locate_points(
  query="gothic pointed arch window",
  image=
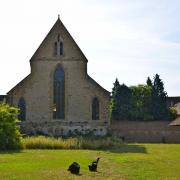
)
(59, 93)
(95, 109)
(22, 107)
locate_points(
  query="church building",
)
(58, 97)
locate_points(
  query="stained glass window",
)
(59, 94)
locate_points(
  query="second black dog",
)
(93, 165)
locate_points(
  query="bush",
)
(42, 142)
(172, 113)
(10, 137)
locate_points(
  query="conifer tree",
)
(120, 101)
(116, 85)
(160, 110)
(150, 106)
(149, 82)
(115, 104)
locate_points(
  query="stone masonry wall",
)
(148, 132)
(80, 89)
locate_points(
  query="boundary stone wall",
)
(146, 132)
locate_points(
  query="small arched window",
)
(61, 48)
(95, 109)
(55, 49)
(59, 93)
(22, 107)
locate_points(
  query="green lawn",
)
(134, 161)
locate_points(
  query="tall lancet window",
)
(55, 49)
(58, 47)
(59, 93)
(22, 107)
(95, 109)
(61, 48)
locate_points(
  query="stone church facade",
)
(58, 96)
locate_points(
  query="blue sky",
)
(127, 39)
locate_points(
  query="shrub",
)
(172, 113)
(10, 137)
(42, 142)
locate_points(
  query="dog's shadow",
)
(76, 174)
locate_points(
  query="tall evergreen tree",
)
(150, 106)
(159, 87)
(124, 96)
(115, 104)
(160, 110)
(120, 101)
(116, 85)
(149, 82)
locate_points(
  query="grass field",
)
(134, 161)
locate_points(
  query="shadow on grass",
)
(125, 148)
(11, 151)
(76, 174)
(132, 148)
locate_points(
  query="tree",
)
(120, 101)
(159, 95)
(116, 85)
(9, 130)
(124, 96)
(149, 82)
(141, 102)
(115, 104)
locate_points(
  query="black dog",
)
(74, 168)
(93, 165)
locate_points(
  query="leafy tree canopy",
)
(9, 130)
